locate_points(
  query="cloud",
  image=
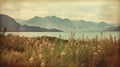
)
(92, 10)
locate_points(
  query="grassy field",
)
(16, 51)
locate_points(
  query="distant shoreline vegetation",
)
(65, 35)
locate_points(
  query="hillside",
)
(12, 26)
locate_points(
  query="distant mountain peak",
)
(102, 22)
(36, 17)
(82, 20)
(52, 17)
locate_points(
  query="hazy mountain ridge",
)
(66, 24)
(50, 22)
(117, 28)
(12, 26)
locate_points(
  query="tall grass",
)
(56, 52)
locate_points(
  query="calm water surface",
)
(65, 35)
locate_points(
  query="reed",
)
(55, 52)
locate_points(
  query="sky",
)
(89, 10)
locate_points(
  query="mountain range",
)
(13, 26)
(66, 24)
(52, 24)
(49, 22)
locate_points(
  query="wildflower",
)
(42, 64)
(76, 51)
(52, 49)
(62, 53)
(82, 46)
(31, 60)
(41, 50)
(36, 43)
(40, 56)
(95, 53)
(49, 45)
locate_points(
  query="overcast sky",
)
(90, 10)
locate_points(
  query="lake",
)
(65, 35)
